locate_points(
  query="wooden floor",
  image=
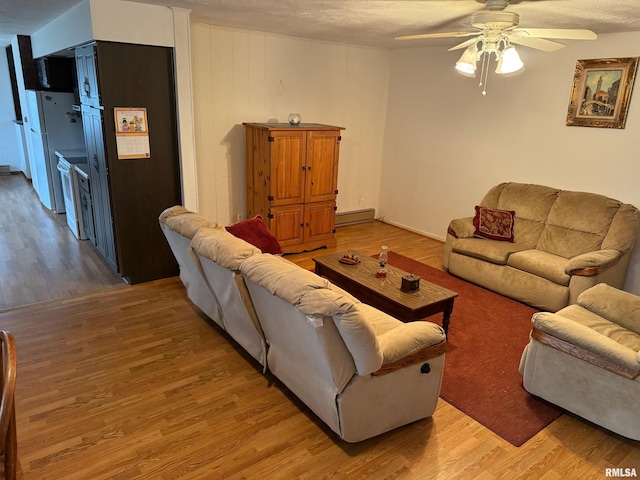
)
(134, 383)
(40, 259)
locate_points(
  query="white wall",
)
(71, 28)
(107, 20)
(132, 22)
(446, 144)
(136, 23)
(253, 77)
(9, 154)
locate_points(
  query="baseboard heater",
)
(356, 216)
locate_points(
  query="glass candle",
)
(294, 119)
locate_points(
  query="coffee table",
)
(384, 293)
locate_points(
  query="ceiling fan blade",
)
(464, 44)
(436, 35)
(537, 43)
(563, 33)
(449, 23)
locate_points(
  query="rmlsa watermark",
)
(621, 472)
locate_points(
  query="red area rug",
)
(486, 337)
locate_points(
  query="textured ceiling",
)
(359, 22)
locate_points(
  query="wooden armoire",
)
(292, 181)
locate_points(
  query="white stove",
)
(67, 159)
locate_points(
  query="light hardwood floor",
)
(40, 259)
(134, 383)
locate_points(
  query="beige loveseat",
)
(564, 243)
(358, 369)
(586, 359)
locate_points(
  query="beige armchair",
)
(586, 359)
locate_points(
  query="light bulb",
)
(467, 63)
(509, 61)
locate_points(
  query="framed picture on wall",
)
(601, 92)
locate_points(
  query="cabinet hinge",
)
(269, 215)
(333, 231)
(335, 191)
(339, 138)
(271, 139)
(335, 209)
(270, 198)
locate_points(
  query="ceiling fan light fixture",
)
(493, 30)
(467, 63)
(466, 69)
(509, 62)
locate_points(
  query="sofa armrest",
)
(582, 338)
(185, 222)
(410, 343)
(461, 228)
(592, 263)
(420, 356)
(617, 306)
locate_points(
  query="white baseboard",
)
(414, 230)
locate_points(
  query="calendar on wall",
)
(132, 132)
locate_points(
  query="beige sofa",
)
(586, 359)
(179, 226)
(564, 243)
(210, 275)
(358, 369)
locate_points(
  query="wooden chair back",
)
(8, 441)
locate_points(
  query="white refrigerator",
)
(54, 125)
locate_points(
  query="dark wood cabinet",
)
(88, 89)
(100, 197)
(129, 194)
(87, 207)
(29, 67)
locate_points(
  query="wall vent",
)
(356, 216)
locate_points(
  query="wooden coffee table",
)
(384, 293)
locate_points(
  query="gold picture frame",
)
(601, 92)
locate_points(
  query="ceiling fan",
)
(494, 31)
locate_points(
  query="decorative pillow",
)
(494, 224)
(255, 231)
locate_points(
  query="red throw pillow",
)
(494, 224)
(255, 231)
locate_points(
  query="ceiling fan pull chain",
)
(484, 75)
